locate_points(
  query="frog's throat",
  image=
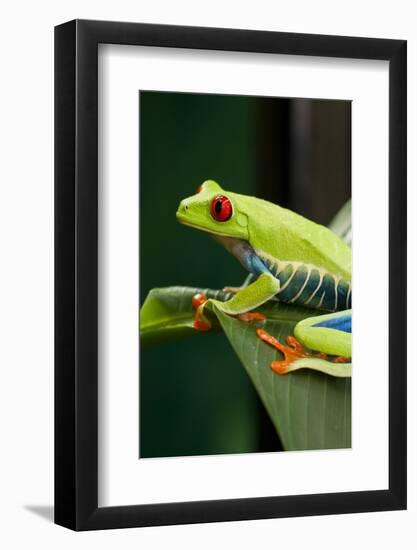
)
(244, 253)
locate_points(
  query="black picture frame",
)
(76, 271)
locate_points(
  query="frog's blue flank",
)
(343, 323)
(308, 285)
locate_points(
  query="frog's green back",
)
(269, 228)
(288, 236)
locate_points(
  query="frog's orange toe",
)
(250, 316)
(341, 359)
(295, 344)
(201, 324)
(280, 367)
(291, 352)
(198, 300)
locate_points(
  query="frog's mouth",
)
(239, 248)
(185, 220)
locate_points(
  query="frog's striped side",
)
(309, 285)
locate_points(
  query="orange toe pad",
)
(250, 316)
(291, 352)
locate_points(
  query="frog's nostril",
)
(182, 209)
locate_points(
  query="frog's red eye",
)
(221, 208)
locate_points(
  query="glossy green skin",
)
(284, 235)
(280, 232)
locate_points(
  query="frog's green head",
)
(214, 210)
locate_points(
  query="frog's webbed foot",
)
(242, 304)
(250, 317)
(201, 322)
(295, 357)
(292, 351)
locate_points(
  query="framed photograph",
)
(219, 192)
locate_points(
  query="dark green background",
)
(195, 397)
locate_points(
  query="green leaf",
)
(310, 410)
(167, 313)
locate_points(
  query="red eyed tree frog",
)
(289, 258)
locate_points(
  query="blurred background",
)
(195, 397)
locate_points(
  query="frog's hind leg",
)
(328, 334)
(293, 351)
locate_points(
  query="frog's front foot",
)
(201, 323)
(250, 317)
